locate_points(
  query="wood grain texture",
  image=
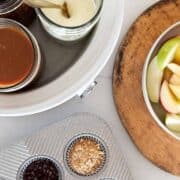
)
(151, 140)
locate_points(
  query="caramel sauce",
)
(16, 56)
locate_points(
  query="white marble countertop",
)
(99, 102)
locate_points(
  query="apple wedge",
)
(154, 78)
(167, 74)
(175, 80)
(168, 100)
(173, 122)
(174, 68)
(177, 56)
(167, 52)
(175, 90)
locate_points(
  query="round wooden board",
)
(151, 140)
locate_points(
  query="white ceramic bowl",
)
(79, 76)
(154, 109)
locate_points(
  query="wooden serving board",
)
(151, 140)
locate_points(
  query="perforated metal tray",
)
(52, 142)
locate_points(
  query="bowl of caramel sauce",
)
(20, 56)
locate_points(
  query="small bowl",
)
(37, 62)
(26, 163)
(17, 10)
(69, 146)
(10, 6)
(156, 110)
(70, 34)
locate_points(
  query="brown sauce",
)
(16, 56)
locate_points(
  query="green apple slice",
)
(154, 78)
(167, 52)
(173, 122)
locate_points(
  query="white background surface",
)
(99, 102)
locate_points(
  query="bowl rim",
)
(144, 81)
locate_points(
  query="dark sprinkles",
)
(42, 169)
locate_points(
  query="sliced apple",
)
(177, 55)
(173, 122)
(167, 99)
(167, 52)
(176, 90)
(174, 68)
(167, 74)
(175, 80)
(154, 78)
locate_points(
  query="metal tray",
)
(52, 142)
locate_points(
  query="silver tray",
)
(52, 142)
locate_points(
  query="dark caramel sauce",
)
(16, 56)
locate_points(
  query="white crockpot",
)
(79, 77)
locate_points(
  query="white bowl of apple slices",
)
(161, 81)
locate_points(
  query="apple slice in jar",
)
(172, 121)
(168, 100)
(154, 78)
(174, 68)
(175, 80)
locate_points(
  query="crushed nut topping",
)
(86, 156)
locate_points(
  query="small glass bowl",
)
(8, 6)
(37, 55)
(17, 10)
(69, 34)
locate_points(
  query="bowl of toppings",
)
(40, 167)
(161, 81)
(85, 155)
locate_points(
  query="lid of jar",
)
(7, 6)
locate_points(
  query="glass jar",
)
(17, 10)
(66, 33)
(35, 70)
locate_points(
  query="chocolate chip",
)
(42, 169)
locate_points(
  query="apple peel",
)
(168, 100)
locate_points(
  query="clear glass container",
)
(17, 10)
(68, 34)
(4, 22)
